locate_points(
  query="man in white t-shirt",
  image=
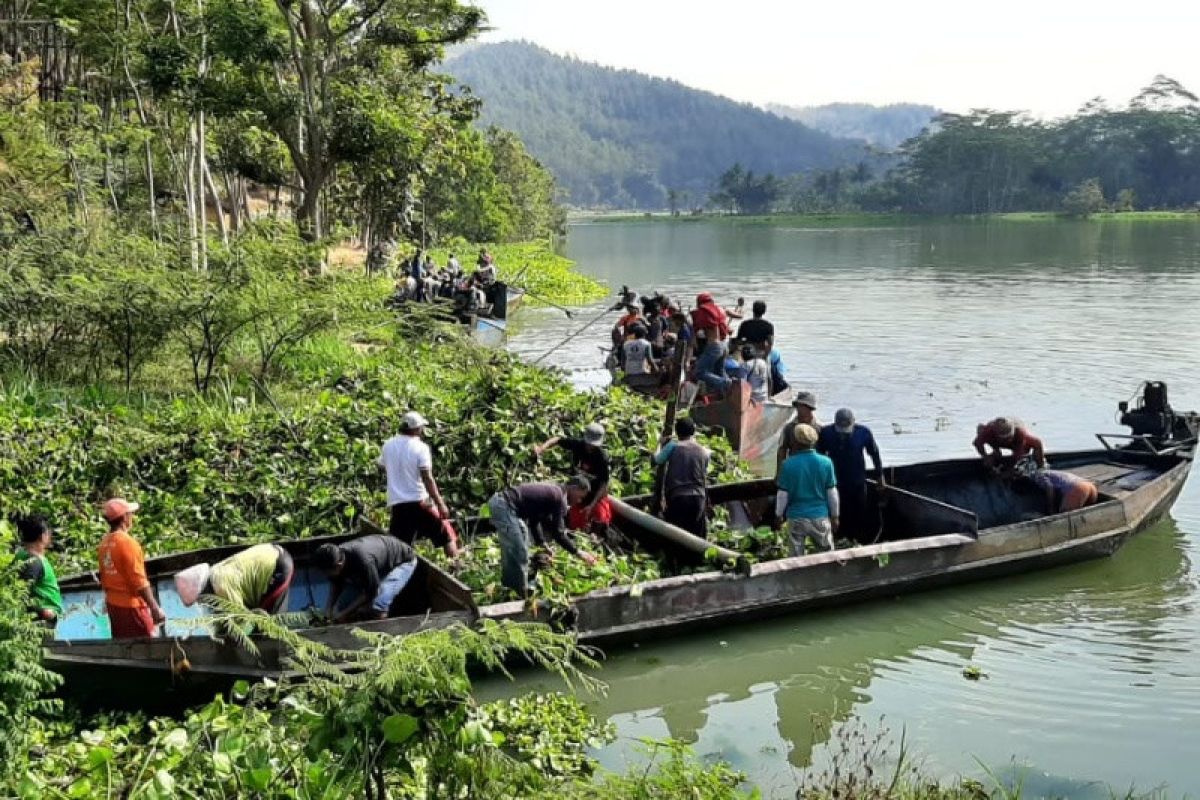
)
(416, 504)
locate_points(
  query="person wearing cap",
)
(711, 324)
(45, 599)
(685, 482)
(133, 610)
(805, 404)
(375, 568)
(533, 510)
(414, 500)
(807, 495)
(624, 327)
(1005, 433)
(845, 442)
(256, 578)
(588, 459)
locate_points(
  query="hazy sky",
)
(1047, 56)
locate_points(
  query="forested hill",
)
(621, 139)
(883, 126)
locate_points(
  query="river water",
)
(1093, 677)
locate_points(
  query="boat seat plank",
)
(1103, 472)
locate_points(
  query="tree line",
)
(1142, 155)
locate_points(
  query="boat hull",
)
(752, 428)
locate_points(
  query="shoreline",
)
(881, 220)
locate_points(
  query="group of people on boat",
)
(651, 338)
(419, 279)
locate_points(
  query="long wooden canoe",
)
(944, 522)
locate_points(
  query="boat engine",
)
(1154, 418)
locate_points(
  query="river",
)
(1093, 679)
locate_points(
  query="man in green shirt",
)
(258, 577)
(46, 600)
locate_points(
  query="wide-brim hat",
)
(807, 399)
(594, 434)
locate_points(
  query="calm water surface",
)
(1094, 673)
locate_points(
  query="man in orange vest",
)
(132, 609)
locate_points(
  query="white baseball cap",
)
(412, 421)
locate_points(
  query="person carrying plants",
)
(133, 610)
(807, 496)
(44, 596)
(533, 509)
(588, 459)
(376, 568)
(415, 502)
(258, 577)
(685, 485)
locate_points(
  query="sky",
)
(1043, 56)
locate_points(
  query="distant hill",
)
(618, 138)
(881, 126)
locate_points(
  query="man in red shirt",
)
(1003, 433)
(711, 324)
(132, 609)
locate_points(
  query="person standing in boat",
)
(807, 495)
(805, 404)
(542, 508)
(1065, 491)
(415, 502)
(712, 325)
(1005, 433)
(376, 568)
(685, 484)
(258, 577)
(132, 608)
(757, 373)
(588, 459)
(757, 331)
(45, 599)
(845, 442)
(637, 356)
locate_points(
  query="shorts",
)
(410, 520)
(131, 623)
(578, 519)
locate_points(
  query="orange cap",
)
(118, 507)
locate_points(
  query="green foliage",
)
(614, 138)
(671, 772)
(743, 192)
(24, 682)
(1085, 199)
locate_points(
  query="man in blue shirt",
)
(845, 442)
(807, 494)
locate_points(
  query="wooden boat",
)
(491, 329)
(945, 522)
(186, 664)
(753, 428)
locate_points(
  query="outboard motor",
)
(1154, 418)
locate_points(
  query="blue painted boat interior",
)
(85, 618)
